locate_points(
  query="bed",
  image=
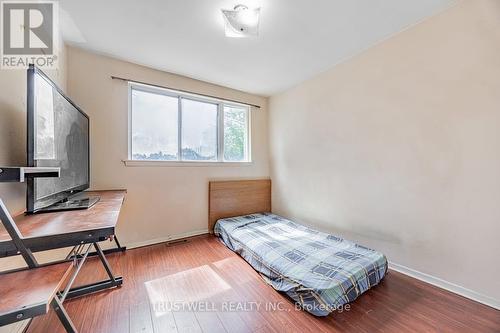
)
(319, 271)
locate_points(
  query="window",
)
(170, 126)
(199, 130)
(235, 133)
(154, 126)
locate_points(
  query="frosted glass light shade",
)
(241, 22)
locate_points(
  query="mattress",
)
(319, 271)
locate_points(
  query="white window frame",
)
(220, 103)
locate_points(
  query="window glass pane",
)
(154, 126)
(199, 131)
(235, 134)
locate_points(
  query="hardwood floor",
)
(206, 274)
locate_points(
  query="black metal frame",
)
(37, 244)
(23, 314)
(118, 248)
(15, 235)
(39, 310)
(61, 313)
(113, 281)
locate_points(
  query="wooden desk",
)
(47, 231)
(75, 228)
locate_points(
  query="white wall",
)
(398, 148)
(162, 202)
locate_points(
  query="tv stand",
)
(74, 203)
(19, 174)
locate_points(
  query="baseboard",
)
(454, 288)
(166, 239)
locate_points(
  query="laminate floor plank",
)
(203, 278)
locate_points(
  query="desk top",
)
(103, 214)
(31, 288)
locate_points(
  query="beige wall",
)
(162, 201)
(399, 148)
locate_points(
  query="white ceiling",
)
(298, 38)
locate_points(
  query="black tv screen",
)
(58, 136)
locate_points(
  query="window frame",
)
(220, 103)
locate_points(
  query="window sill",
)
(139, 163)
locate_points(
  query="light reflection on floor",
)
(198, 284)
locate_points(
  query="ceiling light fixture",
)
(241, 22)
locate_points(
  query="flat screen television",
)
(57, 136)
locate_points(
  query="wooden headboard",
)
(238, 197)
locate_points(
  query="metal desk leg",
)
(104, 262)
(114, 281)
(16, 236)
(63, 315)
(118, 248)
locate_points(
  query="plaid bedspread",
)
(320, 272)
